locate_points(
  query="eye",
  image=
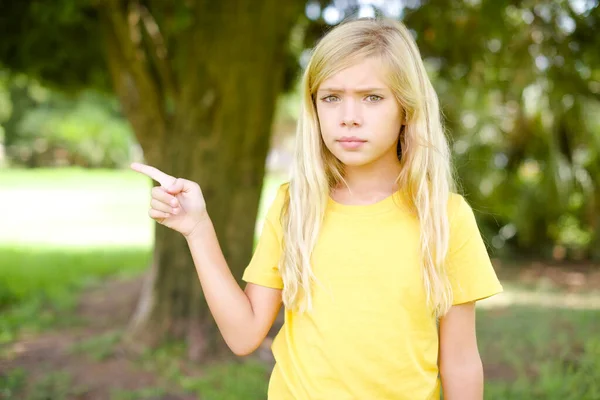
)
(330, 99)
(373, 98)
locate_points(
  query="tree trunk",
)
(204, 114)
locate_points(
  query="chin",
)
(355, 159)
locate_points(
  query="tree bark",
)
(205, 114)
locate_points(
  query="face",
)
(359, 117)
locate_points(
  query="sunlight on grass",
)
(82, 208)
(75, 208)
(516, 296)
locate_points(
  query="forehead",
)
(365, 73)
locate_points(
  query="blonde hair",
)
(425, 176)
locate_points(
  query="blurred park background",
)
(96, 302)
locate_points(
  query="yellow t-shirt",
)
(370, 335)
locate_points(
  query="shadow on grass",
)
(533, 352)
(40, 286)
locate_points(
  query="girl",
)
(377, 262)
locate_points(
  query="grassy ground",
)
(74, 243)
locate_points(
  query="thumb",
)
(176, 187)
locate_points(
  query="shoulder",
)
(459, 210)
(278, 202)
(462, 219)
(457, 205)
(283, 189)
(281, 195)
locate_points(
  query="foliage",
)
(44, 127)
(521, 99)
(56, 42)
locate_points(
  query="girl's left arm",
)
(460, 365)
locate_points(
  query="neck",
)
(374, 179)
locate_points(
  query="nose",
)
(351, 114)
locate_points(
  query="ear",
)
(400, 140)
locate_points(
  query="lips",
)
(351, 142)
(350, 139)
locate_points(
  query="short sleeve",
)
(263, 268)
(469, 267)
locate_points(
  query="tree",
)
(198, 82)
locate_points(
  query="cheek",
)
(325, 122)
(388, 123)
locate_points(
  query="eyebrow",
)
(365, 90)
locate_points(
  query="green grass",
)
(230, 381)
(12, 383)
(39, 286)
(225, 380)
(54, 385)
(141, 394)
(64, 230)
(98, 347)
(546, 353)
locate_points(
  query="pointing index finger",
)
(154, 173)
